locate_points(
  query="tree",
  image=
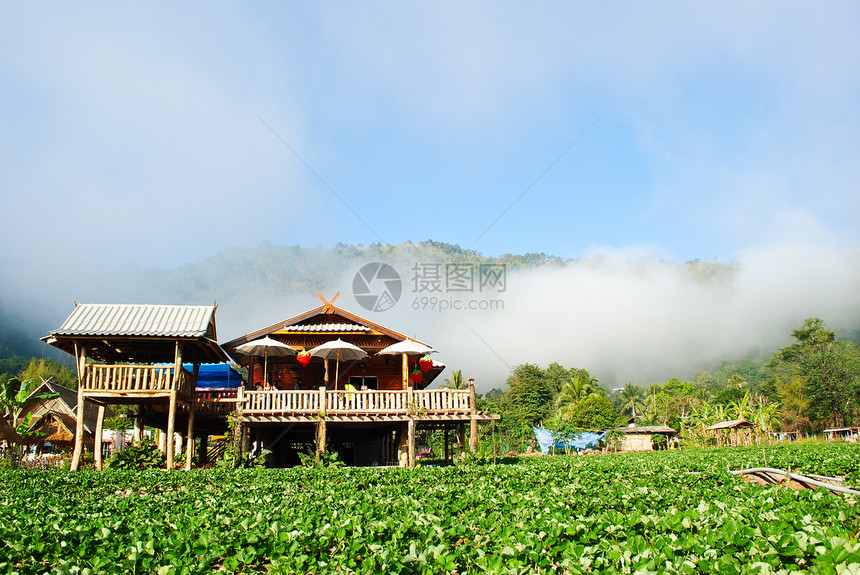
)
(574, 390)
(593, 412)
(456, 381)
(829, 370)
(15, 395)
(631, 400)
(48, 369)
(529, 396)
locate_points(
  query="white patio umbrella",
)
(338, 349)
(266, 346)
(406, 347)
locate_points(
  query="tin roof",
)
(138, 320)
(733, 424)
(140, 333)
(646, 429)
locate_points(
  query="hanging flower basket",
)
(416, 376)
(425, 363)
(304, 358)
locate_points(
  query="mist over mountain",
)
(624, 317)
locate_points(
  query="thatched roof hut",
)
(55, 419)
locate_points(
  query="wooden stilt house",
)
(368, 410)
(134, 354)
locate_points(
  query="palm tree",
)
(737, 381)
(456, 381)
(631, 400)
(574, 390)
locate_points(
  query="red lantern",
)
(416, 376)
(304, 358)
(425, 363)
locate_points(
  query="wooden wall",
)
(387, 369)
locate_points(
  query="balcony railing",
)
(136, 379)
(329, 402)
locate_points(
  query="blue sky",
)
(158, 134)
(719, 126)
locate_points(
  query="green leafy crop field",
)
(673, 512)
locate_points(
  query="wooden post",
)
(171, 415)
(81, 356)
(203, 455)
(97, 440)
(411, 446)
(189, 447)
(170, 438)
(493, 431)
(325, 377)
(462, 431)
(405, 371)
(137, 434)
(322, 439)
(240, 427)
(473, 423)
(246, 439)
(410, 400)
(402, 441)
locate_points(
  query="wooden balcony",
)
(135, 381)
(328, 402)
(394, 405)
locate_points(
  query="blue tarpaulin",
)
(213, 374)
(548, 439)
(216, 375)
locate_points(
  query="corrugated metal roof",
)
(327, 327)
(138, 320)
(646, 429)
(735, 423)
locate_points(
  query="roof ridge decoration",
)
(328, 305)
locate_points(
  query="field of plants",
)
(674, 512)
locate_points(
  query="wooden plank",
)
(189, 449)
(411, 441)
(81, 357)
(171, 429)
(97, 442)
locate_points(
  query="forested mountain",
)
(284, 277)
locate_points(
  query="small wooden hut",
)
(641, 438)
(734, 433)
(55, 419)
(135, 355)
